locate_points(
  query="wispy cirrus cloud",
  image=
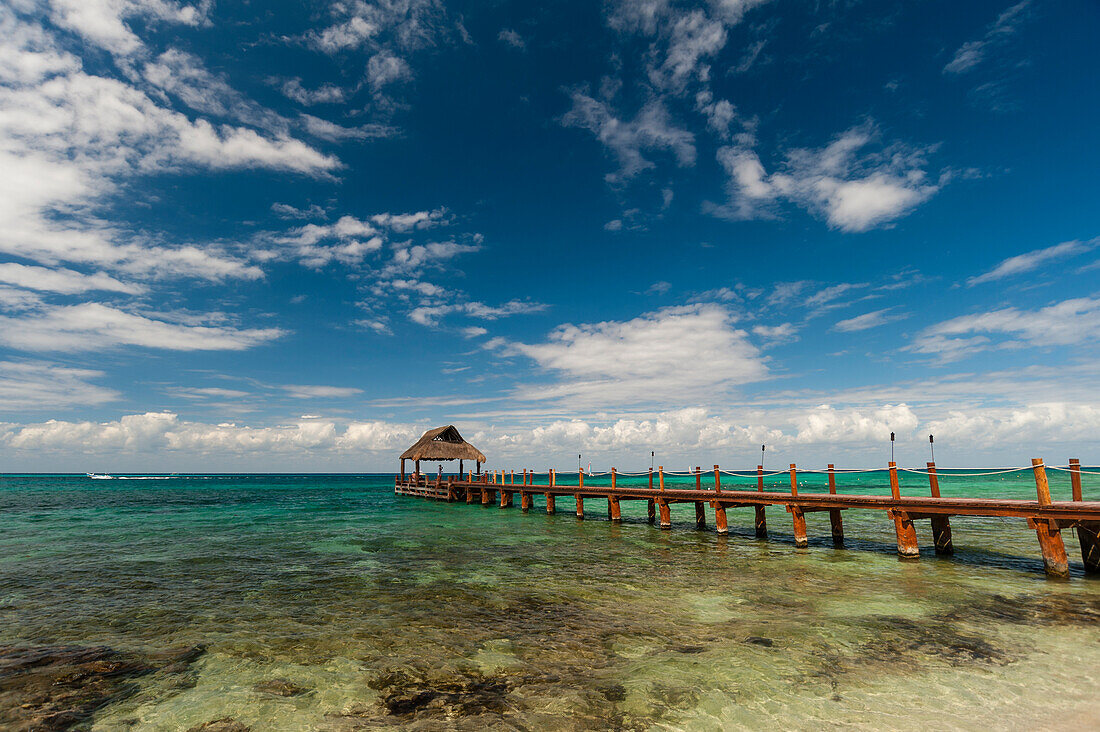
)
(973, 53)
(1032, 260)
(1061, 324)
(866, 321)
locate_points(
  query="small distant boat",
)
(100, 476)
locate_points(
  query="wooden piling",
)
(1053, 549)
(717, 480)
(525, 501)
(614, 512)
(799, 518)
(836, 520)
(549, 503)
(651, 510)
(941, 525)
(666, 515)
(485, 495)
(1075, 479)
(661, 473)
(908, 548)
(505, 498)
(580, 506)
(895, 487)
(700, 516)
(761, 516)
(1088, 532)
(794, 481)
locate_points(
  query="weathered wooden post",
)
(402, 470)
(941, 525)
(719, 510)
(525, 501)
(1088, 532)
(761, 516)
(1055, 561)
(614, 511)
(666, 514)
(661, 474)
(908, 548)
(798, 517)
(549, 493)
(651, 511)
(579, 497)
(700, 509)
(836, 521)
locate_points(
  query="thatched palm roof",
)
(443, 443)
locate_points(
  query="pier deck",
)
(1045, 516)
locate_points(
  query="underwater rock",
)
(225, 724)
(462, 693)
(613, 692)
(689, 649)
(280, 687)
(757, 640)
(59, 687)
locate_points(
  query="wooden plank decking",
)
(1043, 515)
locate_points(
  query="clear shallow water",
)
(324, 602)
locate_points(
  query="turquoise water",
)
(325, 602)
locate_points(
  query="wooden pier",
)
(1044, 516)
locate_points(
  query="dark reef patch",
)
(61, 687)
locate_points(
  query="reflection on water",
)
(326, 603)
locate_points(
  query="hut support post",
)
(941, 525)
(402, 470)
(761, 516)
(1088, 533)
(460, 475)
(1055, 561)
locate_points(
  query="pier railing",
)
(1044, 515)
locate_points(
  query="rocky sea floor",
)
(325, 603)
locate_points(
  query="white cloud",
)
(512, 38)
(324, 94)
(672, 355)
(94, 326)
(164, 432)
(972, 53)
(430, 315)
(684, 38)
(307, 391)
(35, 385)
(827, 425)
(855, 191)
(873, 319)
(1065, 323)
(351, 240)
(64, 281)
(1032, 260)
(652, 129)
(68, 139)
(385, 68)
(333, 132)
(104, 22)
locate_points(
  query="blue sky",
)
(274, 236)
